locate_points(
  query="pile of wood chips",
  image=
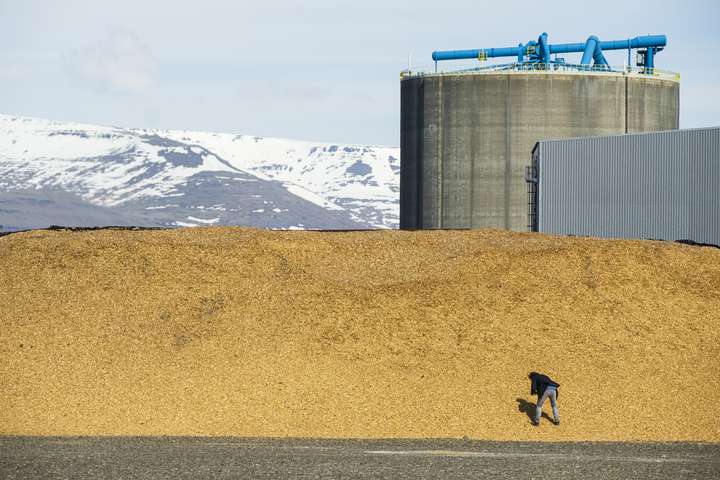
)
(383, 334)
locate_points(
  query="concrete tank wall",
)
(466, 138)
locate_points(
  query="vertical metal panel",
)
(663, 186)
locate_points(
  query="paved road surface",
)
(225, 458)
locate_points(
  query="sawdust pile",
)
(229, 331)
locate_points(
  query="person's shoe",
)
(556, 423)
(534, 423)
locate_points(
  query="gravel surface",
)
(156, 458)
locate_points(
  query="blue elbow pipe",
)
(598, 56)
(589, 50)
(544, 48)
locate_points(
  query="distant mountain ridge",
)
(84, 175)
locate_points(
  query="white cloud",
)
(121, 62)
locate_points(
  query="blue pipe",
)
(648, 41)
(567, 47)
(649, 58)
(589, 50)
(544, 48)
(598, 56)
(637, 42)
(463, 54)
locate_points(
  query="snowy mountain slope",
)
(362, 180)
(192, 178)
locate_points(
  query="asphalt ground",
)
(225, 458)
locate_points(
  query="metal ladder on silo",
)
(531, 179)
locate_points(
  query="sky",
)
(316, 70)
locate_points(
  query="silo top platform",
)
(538, 56)
(541, 68)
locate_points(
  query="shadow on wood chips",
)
(528, 408)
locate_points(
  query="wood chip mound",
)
(382, 334)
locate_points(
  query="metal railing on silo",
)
(462, 68)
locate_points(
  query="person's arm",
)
(533, 386)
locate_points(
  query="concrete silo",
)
(467, 136)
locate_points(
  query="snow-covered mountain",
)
(84, 175)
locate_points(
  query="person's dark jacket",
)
(540, 382)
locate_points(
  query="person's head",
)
(532, 374)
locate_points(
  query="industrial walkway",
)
(224, 458)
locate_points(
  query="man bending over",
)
(544, 387)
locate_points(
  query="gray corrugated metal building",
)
(663, 185)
